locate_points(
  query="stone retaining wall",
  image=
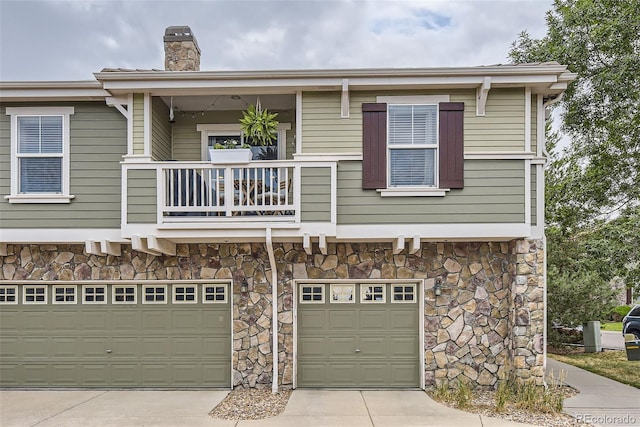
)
(487, 322)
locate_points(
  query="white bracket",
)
(120, 104)
(398, 245)
(415, 245)
(344, 103)
(93, 248)
(322, 243)
(111, 248)
(482, 93)
(161, 245)
(139, 243)
(306, 243)
(3, 249)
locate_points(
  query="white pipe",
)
(274, 307)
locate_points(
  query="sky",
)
(57, 40)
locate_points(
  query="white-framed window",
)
(8, 294)
(373, 293)
(311, 293)
(220, 133)
(403, 293)
(39, 154)
(124, 294)
(92, 294)
(214, 293)
(412, 144)
(64, 294)
(154, 294)
(185, 294)
(343, 293)
(34, 294)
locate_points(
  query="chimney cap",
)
(180, 33)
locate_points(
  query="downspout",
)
(274, 308)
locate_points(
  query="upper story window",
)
(213, 134)
(39, 154)
(413, 145)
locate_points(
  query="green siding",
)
(98, 140)
(493, 193)
(315, 199)
(138, 123)
(501, 129)
(142, 197)
(534, 195)
(160, 131)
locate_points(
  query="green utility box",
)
(591, 336)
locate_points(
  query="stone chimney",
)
(181, 51)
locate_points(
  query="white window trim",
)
(15, 196)
(413, 192)
(322, 293)
(415, 294)
(342, 285)
(364, 286)
(15, 288)
(46, 294)
(135, 294)
(207, 130)
(75, 294)
(215, 285)
(84, 294)
(195, 293)
(143, 297)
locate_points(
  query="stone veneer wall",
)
(487, 322)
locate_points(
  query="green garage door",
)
(358, 335)
(118, 335)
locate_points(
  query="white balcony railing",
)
(197, 190)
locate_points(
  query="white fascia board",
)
(59, 235)
(47, 91)
(434, 232)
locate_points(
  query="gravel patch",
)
(251, 404)
(483, 403)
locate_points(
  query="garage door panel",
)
(10, 374)
(35, 320)
(94, 347)
(215, 347)
(9, 347)
(312, 320)
(35, 374)
(155, 347)
(217, 317)
(403, 374)
(312, 374)
(65, 320)
(373, 319)
(125, 347)
(65, 347)
(155, 320)
(125, 320)
(98, 320)
(342, 346)
(186, 346)
(339, 319)
(125, 374)
(187, 319)
(404, 320)
(342, 373)
(36, 347)
(216, 374)
(65, 374)
(373, 346)
(9, 319)
(403, 346)
(186, 374)
(374, 374)
(158, 375)
(95, 374)
(311, 347)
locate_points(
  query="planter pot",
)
(234, 155)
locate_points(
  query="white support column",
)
(147, 124)
(93, 248)
(398, 245)
(322, 243)
(415, 245)
(111, 248)
(527, 119)
(298, 122)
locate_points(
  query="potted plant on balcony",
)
(230, 151)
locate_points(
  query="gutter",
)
(274, 308)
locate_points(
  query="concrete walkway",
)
(601, 402)
(191, 408)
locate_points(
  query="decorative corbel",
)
(139, 243)
(161, 245)
(322, 243)
(306, 243)
(482, 93)
(415, 245)
(344, 103)
(398, 245)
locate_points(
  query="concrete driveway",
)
(612, 340)
(191, 408)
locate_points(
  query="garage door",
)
(115, 335)
(358, 335)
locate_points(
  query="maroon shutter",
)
(374, 146)
(451, 145)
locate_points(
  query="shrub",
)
(619, 312)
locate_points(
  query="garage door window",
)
(372, 294)
(311, 294)
(94, 294)
(404, 293)
(214, 293)
(64, 294)
(154, 294)
(343, 293)
(8, 294)
(184, 294)
(34, 295)
(125, 294)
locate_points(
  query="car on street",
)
(631, 322)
